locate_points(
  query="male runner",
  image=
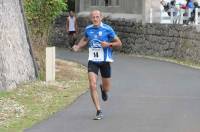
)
(100, 39)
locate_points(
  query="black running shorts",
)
(71, 32)
(104, 68)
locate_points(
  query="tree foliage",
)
(71, 5)
(41, 13)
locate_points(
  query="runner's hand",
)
(75, 48)
(105, 44)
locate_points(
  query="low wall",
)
(58, 36)
(177, 41)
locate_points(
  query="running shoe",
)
(99, 115)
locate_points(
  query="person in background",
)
(192, 18)
(72, 28)
(170, 6)
(188, 7)
(189, 4)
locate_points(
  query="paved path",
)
(146, 96)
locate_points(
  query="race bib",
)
(96, 54)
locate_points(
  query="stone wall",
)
(59, 34)
(177, 41)
(16, 62)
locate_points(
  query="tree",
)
(16, 60)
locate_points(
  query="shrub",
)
(40, 16)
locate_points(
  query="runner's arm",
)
(115, 43)
(83, 42)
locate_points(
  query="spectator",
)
(170, 6)
(189, 4)
(188, 7)
(192, 18)
(72, 28)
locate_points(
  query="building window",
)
(108, 2)
(105, 2)
(94, 2)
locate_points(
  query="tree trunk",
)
(16, 62)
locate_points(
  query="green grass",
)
(34, 102)
(188, 63)
(184, 62)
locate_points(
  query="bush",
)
(41, 13)
(40, 16)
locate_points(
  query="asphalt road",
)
(146, 96)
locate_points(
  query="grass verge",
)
(33, 102)
(187, 63)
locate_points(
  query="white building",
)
(137, 9)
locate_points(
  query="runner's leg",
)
(106, 84)
(93, 89)
(105, 70)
